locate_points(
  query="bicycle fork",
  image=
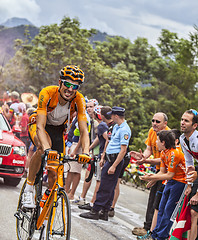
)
(44, 230)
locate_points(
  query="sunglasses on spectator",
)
(157, 121)
(68, 84)
(194, 112)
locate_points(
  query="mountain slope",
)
(9, 34)
(7, 37)
(14, 22)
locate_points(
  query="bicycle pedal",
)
(17, 216)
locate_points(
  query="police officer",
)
(115, 153)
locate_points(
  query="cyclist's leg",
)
(59, 222)
(57, 142)
(23, 219)
(35, 162)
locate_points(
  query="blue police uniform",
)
(120, 136)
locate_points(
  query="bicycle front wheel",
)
(59, 222)
(23, 219)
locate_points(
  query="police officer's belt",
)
(111, 157)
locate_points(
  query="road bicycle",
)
(53, 221)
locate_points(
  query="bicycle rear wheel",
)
(59, 222)
(23, 219)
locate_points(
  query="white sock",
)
(29, 188)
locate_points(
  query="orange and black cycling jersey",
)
(48, 105)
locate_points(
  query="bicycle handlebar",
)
(67, 158)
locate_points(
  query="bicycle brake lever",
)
(88, 179)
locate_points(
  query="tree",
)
(54, 47)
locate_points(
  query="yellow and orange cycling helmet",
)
(73, 73)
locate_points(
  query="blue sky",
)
(127, 18)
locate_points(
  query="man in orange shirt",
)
(159, 122)
(172, 168)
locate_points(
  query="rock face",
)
(14, 22)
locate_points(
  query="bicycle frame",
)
(38, 218)
(58, 167)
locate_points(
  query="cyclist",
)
(56, 106)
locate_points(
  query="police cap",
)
(117, 110)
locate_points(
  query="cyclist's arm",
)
(41, 133)
(84, 136)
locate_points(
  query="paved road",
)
(130, 212)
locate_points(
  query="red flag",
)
(183, 222)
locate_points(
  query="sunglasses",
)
(68, 84)
(157, 121)
(194, 112)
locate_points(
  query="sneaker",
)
(90, 215)
(103, 215)
(111, 212)
(80, 201)
(86, 206)
(139, 231)
(28, 200)
(146, 236)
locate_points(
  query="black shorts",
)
(158, 197)
(126, 163)
(55, 133)
(194, 191)
(57, 138)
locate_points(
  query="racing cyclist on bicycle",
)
(56, 106)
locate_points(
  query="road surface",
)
(129, 212)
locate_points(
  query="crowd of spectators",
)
(109, 137)
(17, 109)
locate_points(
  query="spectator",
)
(29, 99)
(102, 140)
(94, 152)
(74, 168)
(13, 112)
(189, 144)
(6, 98)
(24, 136)
(115, 153)
(172, 169)
(159, 122)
